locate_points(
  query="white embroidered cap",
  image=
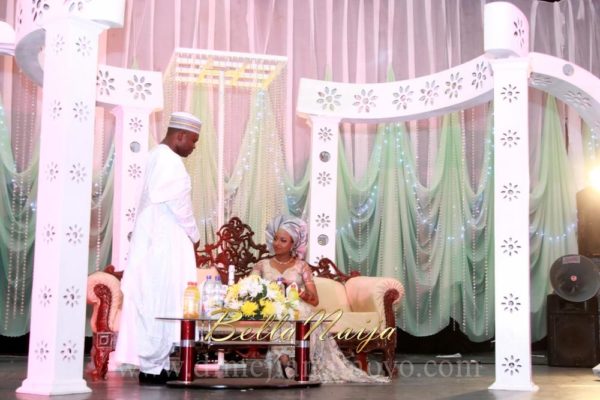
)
(186, 121)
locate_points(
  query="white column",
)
(63, 209)
(131, 149)
(323, 190)
(511, 226)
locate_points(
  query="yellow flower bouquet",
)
(257, 299)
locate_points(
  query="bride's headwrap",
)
(295, 227)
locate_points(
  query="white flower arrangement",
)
(258, 299)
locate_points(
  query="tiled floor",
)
(421, 377)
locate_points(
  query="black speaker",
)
(573, 332)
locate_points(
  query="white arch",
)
(503, 73)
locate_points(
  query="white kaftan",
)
(161, 262)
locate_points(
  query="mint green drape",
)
(552, 214)
(434, 239)
(17, 229)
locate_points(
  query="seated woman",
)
(287, 239)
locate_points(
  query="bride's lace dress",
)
(328, 363)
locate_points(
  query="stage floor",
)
(421, 377)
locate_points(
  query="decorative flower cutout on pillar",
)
(139, 87)
(510, 138)
(511, 303)
(130, 214)
(38, 8)
(45, 296)
(323, 220)
(81, 111)
(365, 100)
(519, 31)
(49, 233)
(75, 234)
(77, 5)
(136, 124)
(135, 171)
(68, 351)
(510, 93)
(454, 85)
(578, 99)
(324, 178)
(77, 173)
(511, 365)
(59, 44)
(510, 192)
(429, 92)
(83, 45)
(51, 171)
(402, 97)
(41, 351)
(479, 75)
(105, 83)
(329, 99)
(56, 109)
(510, 246)
(71, 296)
(325, 134)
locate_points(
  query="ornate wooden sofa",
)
(368, 303)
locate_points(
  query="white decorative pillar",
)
(63, 215)
(506, 37)
(511, 226)
(323, 190)
(131, 149)
(57, 330)
(132, 96)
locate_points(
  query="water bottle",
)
(191, 299)
(207, 290)
(218, 298)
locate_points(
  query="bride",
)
(287, 239)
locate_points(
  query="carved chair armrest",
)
(104, 293)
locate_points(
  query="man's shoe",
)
(153, 379)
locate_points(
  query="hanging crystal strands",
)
(97, 195)
(22, 205)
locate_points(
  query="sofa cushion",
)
(332, 295)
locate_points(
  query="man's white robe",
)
(161, 262)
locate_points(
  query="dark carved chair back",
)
(327, 269)
(235, 245)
